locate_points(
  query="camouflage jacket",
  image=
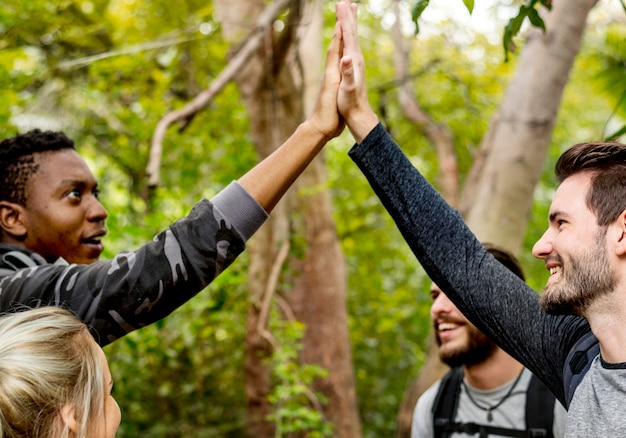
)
(134, 289)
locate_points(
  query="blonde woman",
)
(54, 378)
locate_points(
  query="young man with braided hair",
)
(52, 225)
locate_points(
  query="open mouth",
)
(94, 243)
(446, 329)
(95, 238)
(555, 270)
(445, 326)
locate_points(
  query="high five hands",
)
(343, 95)
(352, 101)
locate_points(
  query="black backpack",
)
(538, 414)
(539, 410)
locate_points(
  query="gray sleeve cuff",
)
(243, 211)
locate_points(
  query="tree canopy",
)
(106, 71)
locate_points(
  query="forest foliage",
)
(106, 71)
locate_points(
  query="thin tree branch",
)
(284, 306)
(202, 100)
(136, 48)
(270, 287)
(437, 134)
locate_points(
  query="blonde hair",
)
(48, 360)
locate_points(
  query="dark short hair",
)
(606, 162)
(17, 162)
(506, 258)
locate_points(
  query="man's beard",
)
(583, 280)
(478, 349)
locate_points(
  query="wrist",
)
(310, 130)
(361, 124)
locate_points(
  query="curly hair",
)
(48, 360)
(17, 161)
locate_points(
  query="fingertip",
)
(346, 63)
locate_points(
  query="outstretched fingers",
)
(352, 99)
(325, 117)
(347, 17)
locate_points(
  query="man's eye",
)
(75, 194)
(96, 193)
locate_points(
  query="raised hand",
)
(352, 98)
(325, 117)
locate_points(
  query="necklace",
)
(491, 408)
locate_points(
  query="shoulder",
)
(422, 424)
(428, 397)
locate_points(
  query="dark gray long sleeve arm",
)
(494, 299)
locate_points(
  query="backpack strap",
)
(578, 362)
(485, 431)
(539, 408)
(446, 401)
(539, 411)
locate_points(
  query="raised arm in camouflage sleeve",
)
(115, 297)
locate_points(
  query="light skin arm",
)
(268, 181)
(352, 98)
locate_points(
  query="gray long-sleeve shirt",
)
(135, 289)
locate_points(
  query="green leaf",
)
(535, 19)
(469, 4)
(515, 24)
(416, 12)
(512, 28)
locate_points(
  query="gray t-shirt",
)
(598, 404)
(511, 414)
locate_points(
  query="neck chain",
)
(491, 408)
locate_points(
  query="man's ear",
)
(67, 414)
(620, 233)
(12, 220)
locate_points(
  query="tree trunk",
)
(498, 196)
(319, 295)
(276, 87)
